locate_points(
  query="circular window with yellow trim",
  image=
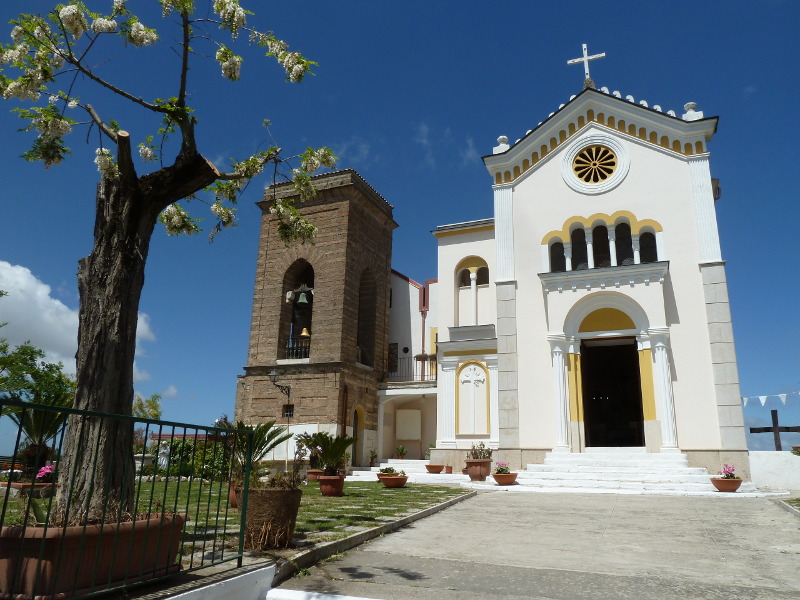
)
(595, 164)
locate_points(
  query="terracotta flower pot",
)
(313, 474)
(331, 485)
(233, 499)
(505, 478)
(60, 562)
(726, 485)
(271, 517)
(448, 469)
(478, 469)
(394, 481)
(434, 468)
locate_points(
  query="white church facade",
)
(591, 310)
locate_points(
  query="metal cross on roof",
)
(585, 60)
(775, 429)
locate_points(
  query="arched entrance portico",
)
(611, 376)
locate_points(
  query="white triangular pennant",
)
(763, 400)
(783, 398)
(744, 400)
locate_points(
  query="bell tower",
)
(320, 317)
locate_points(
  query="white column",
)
(560, 394)
(589, 248)
(504, 232)
(659, 341)
(612, 244)
(448, 402)
(704, 214)
(635, 243)
(473, 287)
(568, 255)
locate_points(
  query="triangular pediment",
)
(619, 116)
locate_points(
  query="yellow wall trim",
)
(606, 319)
(646, 378)
(448, 233)
(651, 137)
(470, 262)
(575, 384)
(563, 235)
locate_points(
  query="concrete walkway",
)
(570, 546)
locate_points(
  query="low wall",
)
(779, 470)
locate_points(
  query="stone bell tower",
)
(321, 315)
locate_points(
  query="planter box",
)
(394, 481)
(434, 468)
(505, 478)
(67, 560)
(478, 469)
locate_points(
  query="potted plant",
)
(311, 443)
(729, 482)
(502, 475)
(333, 455)
(479, 462)
(401, 452)
(272, 507)
(386, 471)
(373, 458)
(266, 437)
(394, 480)
(432, 468)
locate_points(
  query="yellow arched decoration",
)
(636, 224)
(601, 118)
(589, 115)
(632, 129)
(526, 164)
(698, 147)
(611, 122)
(676, 145)
(571, 128)
(653, 137)
(534, 158)
(498, 178)
(517, 172)
(507, 176)
(553, 143)
(562, 135)
(543, 150)
(481, 366)
(621, 125)
(665, 141)
(606, 319)
(470, 262)
(581, 121)
(687, 148)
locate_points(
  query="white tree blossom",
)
(105, 163)
(146, 153)
(232, 15)
(142, 36)
(224, 214)
(74, 20)
(101, 25)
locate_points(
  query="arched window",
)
(580, 259)
(297, 309)
(600, 247)
(467, 295)
(558, 263)
(367, 307)
(624, 244)
(463, 278)
(647, 248)
(483, 276)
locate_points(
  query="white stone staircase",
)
(620, 472)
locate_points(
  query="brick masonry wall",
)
(354, 234)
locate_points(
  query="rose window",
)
(594, 164)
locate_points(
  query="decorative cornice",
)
(610, 277)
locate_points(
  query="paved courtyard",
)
(569, 546)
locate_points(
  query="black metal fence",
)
(411, 369)
(299, 347)
(173, 510)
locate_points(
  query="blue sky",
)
(411, 94)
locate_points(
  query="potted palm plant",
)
(333, 455)
(479, 462)
(312, 445)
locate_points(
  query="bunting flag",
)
(794, 396)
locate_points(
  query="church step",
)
(699, 486)
(617, 462)
(615, 469)
(616, 476)
(409, 466)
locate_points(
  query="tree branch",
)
(124, 159)
(184, 58)
(103, 127)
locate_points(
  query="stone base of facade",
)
(713, 460)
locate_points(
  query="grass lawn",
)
(793, 502)
(212, 531)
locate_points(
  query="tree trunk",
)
(96, 469)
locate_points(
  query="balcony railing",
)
(411, 369)
(298, 347)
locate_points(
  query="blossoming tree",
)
(50, 57)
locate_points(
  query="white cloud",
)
(469, 155)
(422, 137)
(170, 392)
(139, 375)
(33, 314)
(354, 151)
